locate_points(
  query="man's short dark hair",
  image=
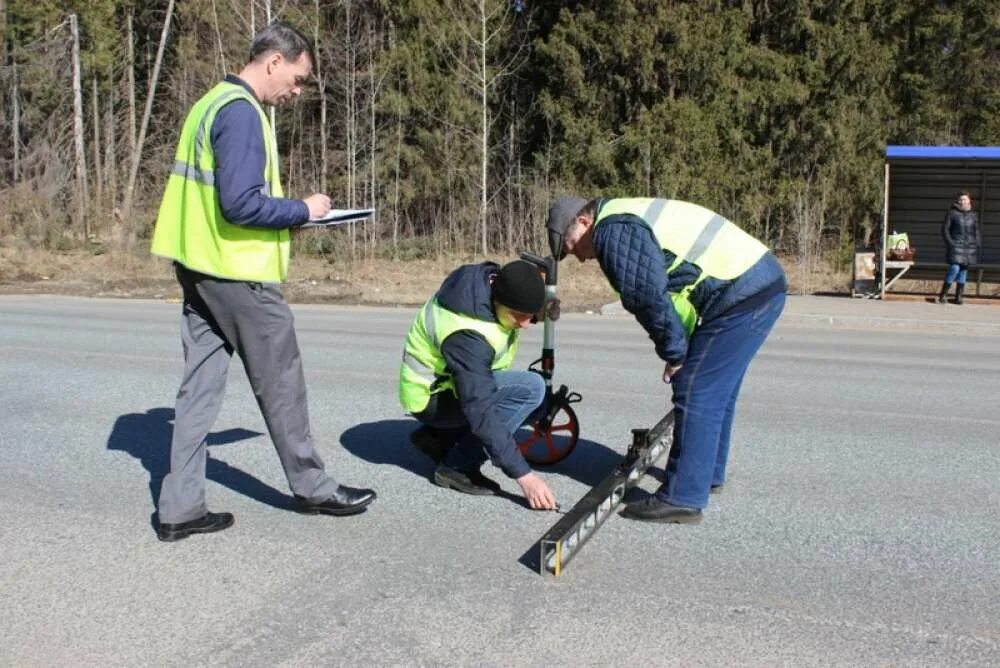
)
(283, 38)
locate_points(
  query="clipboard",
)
(339, 217)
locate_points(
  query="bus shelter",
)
(921, 183)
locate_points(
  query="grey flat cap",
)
(562, 212)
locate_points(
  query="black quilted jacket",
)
(961, 236)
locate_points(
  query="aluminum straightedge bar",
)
(566, 537)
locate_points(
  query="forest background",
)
(459, 120)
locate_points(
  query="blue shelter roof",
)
(944, 152)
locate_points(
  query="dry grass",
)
(312, 280)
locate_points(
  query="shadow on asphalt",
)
(146, 436)
(387, 442)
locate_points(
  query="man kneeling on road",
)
(456, 377)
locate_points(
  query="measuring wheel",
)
(554, 436)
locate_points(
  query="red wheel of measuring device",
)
(548, 446)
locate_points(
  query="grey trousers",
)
(252, 319)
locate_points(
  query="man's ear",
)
(273, 61)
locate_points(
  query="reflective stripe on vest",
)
(423, 371)
(694, 234)
(191, 228)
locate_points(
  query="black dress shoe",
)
(467, 482)
(432, 442)
(652, 509)
(345, 501)
(208, 523)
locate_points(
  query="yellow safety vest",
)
(191, 228)
(718, 247)
(423, 371)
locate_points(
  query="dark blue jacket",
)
(469, 291)
(238, 143)
(636, 266)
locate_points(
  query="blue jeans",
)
(956, 271)
(520, 399)
(705, 391)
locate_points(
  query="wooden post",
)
(885, 231)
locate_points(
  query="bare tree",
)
(95, 104)
(110, 155)
(218, 38)
(809, 207)
(15, 96)
(130, 70)
(320, 74)
(82, 194)
(134, 171)
(480, 64)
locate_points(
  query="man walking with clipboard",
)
(225, 223)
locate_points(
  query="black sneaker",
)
(467, 482)
(208, 523)
(431, 442)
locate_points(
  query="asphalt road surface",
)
(859, 526)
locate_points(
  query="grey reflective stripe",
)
(199, 139)
(705, 239)
(417, 367)
(653, 211)
(202, 176)
(429, 325)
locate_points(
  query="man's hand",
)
(551, 310)
(319, 205)
(536, 492)
(669, 371)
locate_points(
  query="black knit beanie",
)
(519, 286)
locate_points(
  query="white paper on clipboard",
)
(339, 217)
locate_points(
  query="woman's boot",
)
(959, 292)
(944, 291)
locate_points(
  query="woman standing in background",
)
(963, 241)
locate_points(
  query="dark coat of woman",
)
(962, 236)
